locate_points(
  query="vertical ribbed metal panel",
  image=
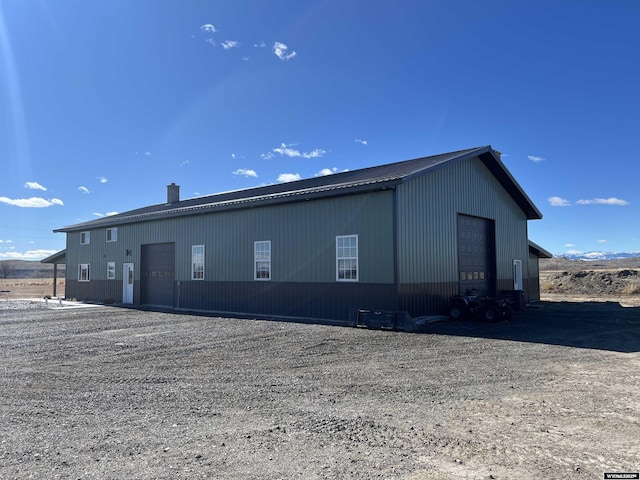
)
(427, 211)
(302, 238)
(533, 281)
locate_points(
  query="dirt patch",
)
(116, 393)
(593, 283)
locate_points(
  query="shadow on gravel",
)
(596, 325)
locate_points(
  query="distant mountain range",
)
(588, 256)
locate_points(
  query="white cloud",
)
(246, 172)
(604, 201)
(34, 186)
(286, 150)
(363, 142)
(148, 154)
(185, 162)
(28, 255)
(108, 214)
(558, 202)
(208, 28)
(317, 153)
(96, 214)
(33, 202)
(103, 179)
(211, 41)
(228, 44)
(83, 189)
(569, 245)
(6, 241)
(326, 171)
(289, 177)
(602, 241)
(266, 156)
(246, 59)
(260, 45)
(280, 50)
(535, 159)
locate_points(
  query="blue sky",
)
(104, 103)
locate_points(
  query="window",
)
(85, 238)
(83, 272)
(262, 260)
(197, 262)
(347, 258)
(111, 270)
(112, 234)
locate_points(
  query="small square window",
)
(85, 238)
(112, 234)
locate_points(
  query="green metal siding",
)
(533, 280)
(427, 209)
(302, 240)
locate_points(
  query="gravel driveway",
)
(112, 393)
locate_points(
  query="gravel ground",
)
(112, 393)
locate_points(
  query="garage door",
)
(157, 262)
(476, 255)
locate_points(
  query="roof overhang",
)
(491, 160)
(57, 258)
(538, 251)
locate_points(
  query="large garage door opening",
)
(157, 264)
(476, 255)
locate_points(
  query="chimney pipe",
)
(173, 193)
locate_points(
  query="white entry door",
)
(127, 283)
(517, 274)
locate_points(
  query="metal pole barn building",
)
(401, 237)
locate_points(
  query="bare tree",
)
(6, 269)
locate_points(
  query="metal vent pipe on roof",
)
(173, 193)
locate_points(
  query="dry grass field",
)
(29, 287)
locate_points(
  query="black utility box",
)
(516, 297)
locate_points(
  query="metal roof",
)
(58, 257)
(338, 184)
(538, 251)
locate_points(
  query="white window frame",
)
(262, 257)
(85, 238)
(343, 256)
(197, 262)
(111, 270)
(84, 267)
(112, 234)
